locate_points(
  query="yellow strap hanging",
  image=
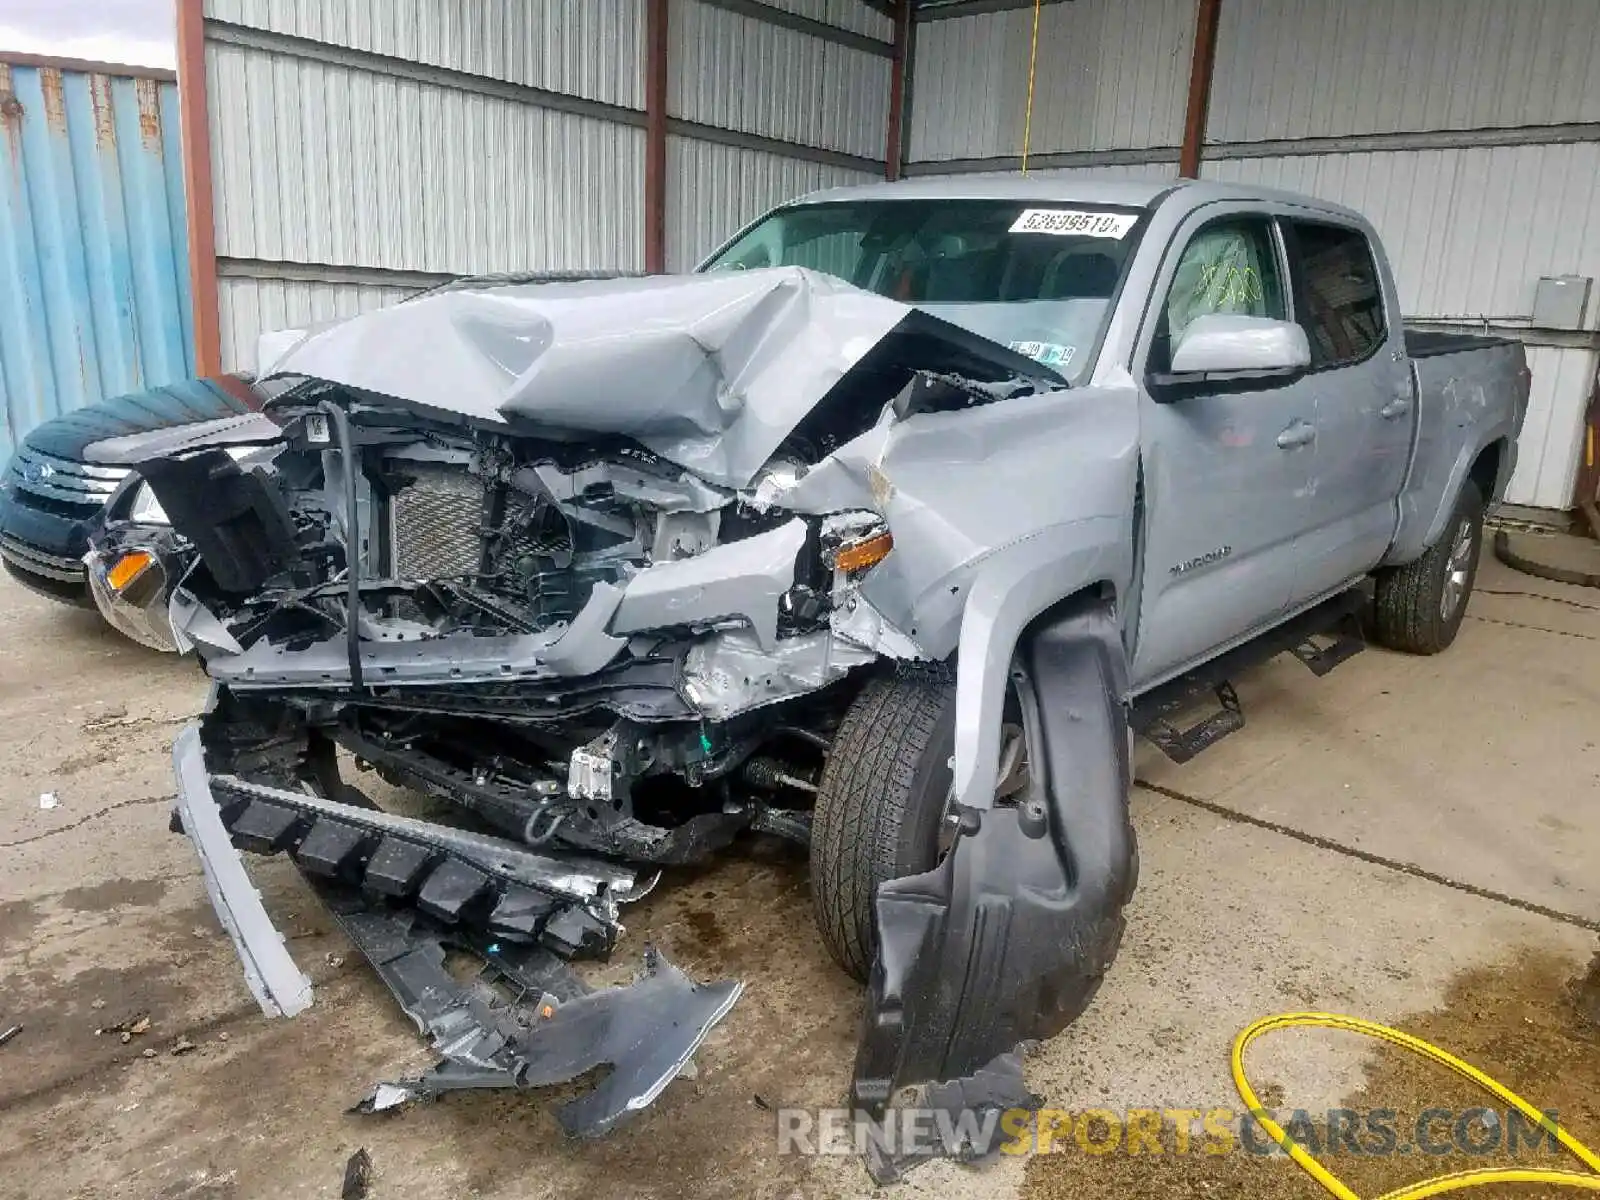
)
(1027, 116)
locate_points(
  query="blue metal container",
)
(94, 272)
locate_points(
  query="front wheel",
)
(1420, 606)
(881, 804)
(884, 806)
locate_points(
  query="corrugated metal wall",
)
(591, 48)
(358, 144)
(1471, 226)
(845, 14)
(250, 306)
(1111, 75)
(736, 72)
(316, 163)
(1547, 452)
(713, 191)
(94, 284)
(1289, 69)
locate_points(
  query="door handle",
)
(1398, 407)
(1301, 433)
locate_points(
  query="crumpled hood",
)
(709, 371)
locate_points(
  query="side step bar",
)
(1321, 637)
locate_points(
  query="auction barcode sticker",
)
(1074, 222)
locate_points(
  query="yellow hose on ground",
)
(1438, 1186)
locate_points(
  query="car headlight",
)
(147, 510)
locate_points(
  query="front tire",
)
(1420, 606)
(880, 803)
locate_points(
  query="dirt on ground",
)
(1530, 1024)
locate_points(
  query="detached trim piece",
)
(277, 984)
(646, 1032)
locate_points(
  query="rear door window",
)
(1339, 300)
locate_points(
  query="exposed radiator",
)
(438, 519)
(436, 522)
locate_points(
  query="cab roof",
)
(1074, 189)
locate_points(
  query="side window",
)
(1230, 266)
(1341, 300)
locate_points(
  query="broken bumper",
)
(407, 892)
(131, 577)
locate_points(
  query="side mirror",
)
(1225, 345)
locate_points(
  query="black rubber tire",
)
(879, 804)
(1407, 613)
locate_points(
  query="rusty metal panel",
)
(1289, 69)
(327, 164)
(739, 73)
(94, 283)
(589, 48)
(1110, 75)
(713, 191)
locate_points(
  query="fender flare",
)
(1013, 587)
(1408, 547)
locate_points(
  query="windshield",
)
(1032, 275)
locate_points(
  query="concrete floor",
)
(1368, 839)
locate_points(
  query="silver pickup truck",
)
(882, 532)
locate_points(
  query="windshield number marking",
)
(1072, 222)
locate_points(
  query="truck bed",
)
(1429, 343)
(1460, 382)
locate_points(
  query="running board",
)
(1180, 745)
(1321, 637)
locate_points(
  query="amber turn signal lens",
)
(864, 554)
(129, 567)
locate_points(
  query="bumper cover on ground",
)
(406, 892)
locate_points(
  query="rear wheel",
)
(1420, 606)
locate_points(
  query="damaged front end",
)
(600, 565)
